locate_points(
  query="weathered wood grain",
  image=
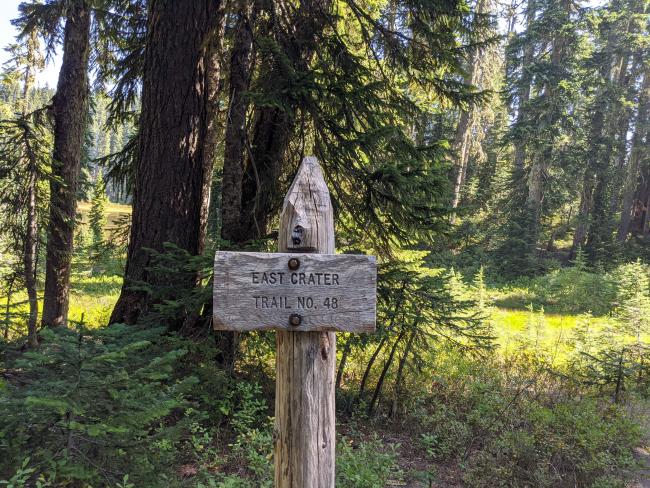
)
(304, 433)
(254, 291)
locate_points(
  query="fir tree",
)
(97, 215)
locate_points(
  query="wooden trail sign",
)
(304, 296)
(300, 292)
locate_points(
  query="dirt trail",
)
(642, 453)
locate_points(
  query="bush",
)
(93, 406)
(366, 465)
(566, 445)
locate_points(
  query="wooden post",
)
(304, 434)
(305, 293)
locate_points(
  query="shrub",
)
(366, 465)
(90, 406)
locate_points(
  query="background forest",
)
(494, 155)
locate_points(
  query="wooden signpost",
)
(305, 292)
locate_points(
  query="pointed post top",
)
(307, 219)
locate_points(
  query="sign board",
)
(294, 291)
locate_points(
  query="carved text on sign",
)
(254, 291)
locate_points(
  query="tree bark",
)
(400, 374)
(173, 167)
(70, 107)
(639, 147)
(235, 139)
(31, 231)
(273, 126)
(384, 371)
(524, 91)
(344, 359)
(463, 136)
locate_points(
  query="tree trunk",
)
(619, 127)
(273, 126)
(172, 171)
(639, 148)
(235, 139)
(524, 91)
(31, 231)
(542, 159)
(29, 256)
(400, 374)
(462, 137)
(371, 362)
(384, 371)
(344, 359)
(10, 292)
(70, 107)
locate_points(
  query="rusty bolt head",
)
(294, 264)
(295, 319)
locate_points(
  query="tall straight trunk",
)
(462, 137)
(31, 229)
(241, 59)
(213, 87)
(235, 140)
(619, 127)
(30, 251)
(172, 171)
(645, 228)
(10, 291)
(592, 169)
(542, 159)
(70, 107)
(639, 149)
(524, 91)
(592, 225)
(273, 126)
(600, 233)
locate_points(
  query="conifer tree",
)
(172, 168)
(97, 215)
(69, 111)
(24, 140)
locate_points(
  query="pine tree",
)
(25, 140)
(69, 111)
(97, 215)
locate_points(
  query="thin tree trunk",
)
(524, 93)
(619, 127)
(70, 107)
(384, 371)
(173, 166)
(645, 229)
(400, 373)
(639, 147)
(344, 359)
(31, 230)
(10, 292)
(274, 126)
(371, 362)
(373, 358)
(619, 378)
(235, 139)
(29, 256)
(462, 137)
